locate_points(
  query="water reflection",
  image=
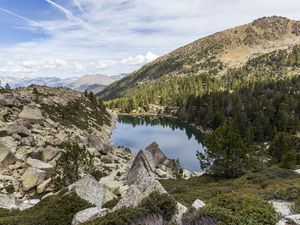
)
(177, 140)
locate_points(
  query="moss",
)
(156, 205)
(51, 211)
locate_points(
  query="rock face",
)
(282, 208)
(153, 161)
(31, 114)
(89, 189)
(6, 156)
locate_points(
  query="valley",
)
(208, 134)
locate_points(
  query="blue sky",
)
(67, 38)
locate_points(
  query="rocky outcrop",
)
(152, 161)
(290, 220)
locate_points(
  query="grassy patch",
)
(54, 210)
(246, 196)
(154, 206)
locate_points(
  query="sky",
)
(68, 38)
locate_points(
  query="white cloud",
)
(139, 59)
(113, 36)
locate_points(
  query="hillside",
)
(215, 54)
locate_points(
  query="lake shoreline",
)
(201, 129)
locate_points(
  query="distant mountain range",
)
(95, 83)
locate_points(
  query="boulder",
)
(32, 177)
(7, 157)
(89, 189)
(282, 207)
(144, 185)
(198, 204)
(18, 129)
(8, 202)
(45, 154)
(186, 174)
(297, 171)
(31, 114)
(150, 160)
(42, 186)
(28, 204)
(293, 219)
(96, 143)
(35, 163)
(88, 214)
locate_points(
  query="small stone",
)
(42, 186)
(198, 204)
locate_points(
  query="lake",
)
(177, 140)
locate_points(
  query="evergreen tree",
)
(226, 152)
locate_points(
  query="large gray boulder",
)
(153, 161)
(89, 189)
(98, 144)
(31, 114)
(35, 163)
(143, 187)
(8, 202)
(32, 177)
(7, 157)
(88, 214)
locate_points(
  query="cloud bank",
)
(116, 36)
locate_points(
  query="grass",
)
(237, 201)
(56, 210)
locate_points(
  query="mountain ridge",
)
(214, 54)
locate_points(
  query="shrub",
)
(54, 210)
(154, 206)
(235, 208)
(74, 160)
(226, 153)
(289, 160)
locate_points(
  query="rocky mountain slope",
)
(35, 122)
(215, 54)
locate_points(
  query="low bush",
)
(235, 208)
(54, 210)
(155, 206)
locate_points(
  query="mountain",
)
(75, 83)
(215, 54)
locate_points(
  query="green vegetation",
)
(55, 210)
(151, 207)
(73, 161)
(237, 201)
(82, 112)
(262, 97)
(226, 154)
